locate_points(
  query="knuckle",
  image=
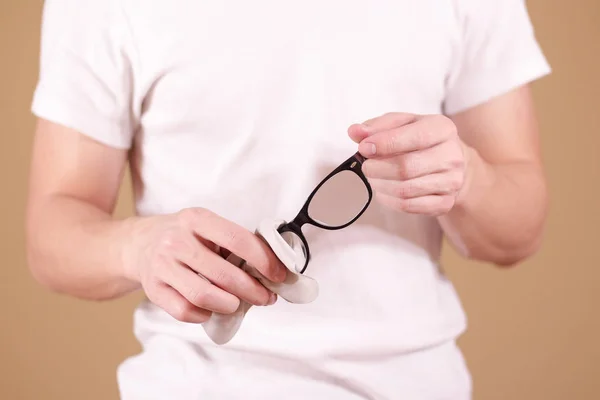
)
(152, 289)
(202, 215)
(196, 257)
(191, 216)
(170, 241)
(450, 125)
(456, 182)
(397, 206)
(442, 123)
(445, 205)
(401, 118)
(424, 139)
(389, 144)
(389, 202)
(158, 260)
(184, 216)
(389, 116)
(441, 120)
(457, 159)
(400, 170)
(196, 295)
(198, 262)
(404, 205)
(457, 163)
(223, 278)
(408, 167)
(231, 239)
(160, 257)
(404, 190)
(258, 257)
(250, 289)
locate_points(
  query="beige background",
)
(534, 330)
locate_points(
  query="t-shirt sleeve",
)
(86, 70)
(498, 52)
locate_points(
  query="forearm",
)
(75, 248)
(499, 215)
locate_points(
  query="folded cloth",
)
(297, 288)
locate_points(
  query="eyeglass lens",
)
(339, 200)
(297, 245)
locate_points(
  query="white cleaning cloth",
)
(297, 288)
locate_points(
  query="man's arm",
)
(479, 172)
(76, 247)
(500, 212)
(73, 244)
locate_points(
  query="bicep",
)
(67, 163)
(503, 129)
(85, 88)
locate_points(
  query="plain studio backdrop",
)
(534, 330)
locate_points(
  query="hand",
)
(415, 163)
(177, 260)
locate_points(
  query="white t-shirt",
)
(242, 107)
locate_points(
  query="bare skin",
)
(75, 246)
(479, 173)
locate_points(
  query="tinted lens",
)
(341, 198)
(297, 245)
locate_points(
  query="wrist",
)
(125, 243)
(478, 179)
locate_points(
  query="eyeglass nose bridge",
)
(354, 163)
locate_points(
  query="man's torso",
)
(244, 108)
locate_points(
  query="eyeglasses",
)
(337, 202)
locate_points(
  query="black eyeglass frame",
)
(353, 164)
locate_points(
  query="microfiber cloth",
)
(297, 288)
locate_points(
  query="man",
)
(231, 112)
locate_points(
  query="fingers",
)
(239, 241)
(359, 132)
(182, 269)
(226, 277)
(426, 205)
(434, 184)
(176, 305)
(231, 278)
(199, 291)
(389, 121)
(419, 135)
(415, 163)
(440, 158)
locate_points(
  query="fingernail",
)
(366, 128)
(272, 299)
(368, 149)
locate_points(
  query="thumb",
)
(358, 132)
